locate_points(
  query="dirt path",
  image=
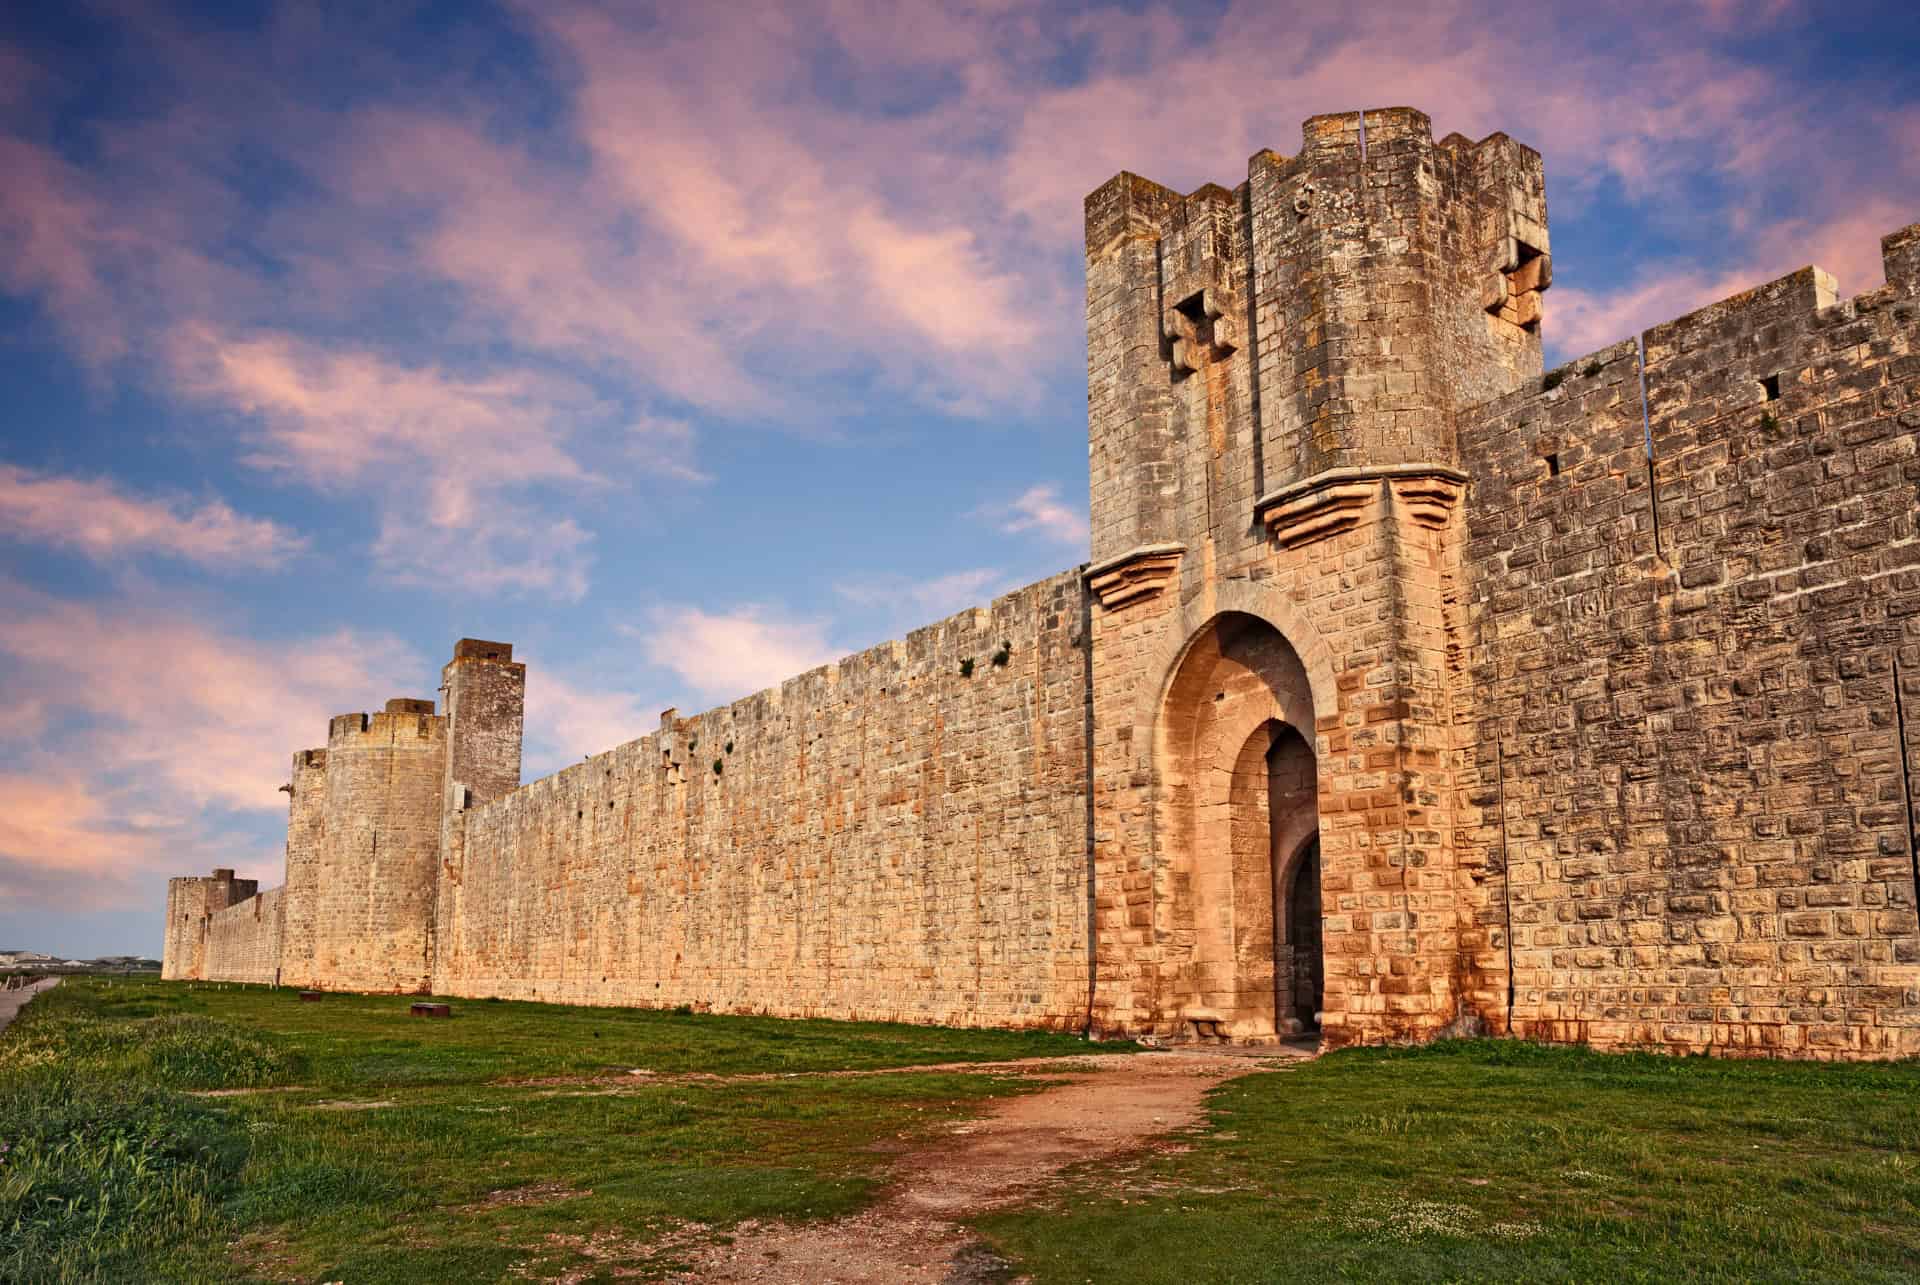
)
(914, 1234)
(12, 1001)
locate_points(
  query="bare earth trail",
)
(12, 1001)
(1105, 1107)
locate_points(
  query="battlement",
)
(404, 723)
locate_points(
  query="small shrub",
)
(1553, 380)
(1591, 370)
(1001, 657)
(729, 747)
(966, 668)
(716, 767)
(1767, 421)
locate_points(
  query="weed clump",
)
(96, 1171)
(176, 1051)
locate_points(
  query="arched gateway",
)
(1237, 803)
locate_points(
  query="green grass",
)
(1508, 1161)
(510, 1141)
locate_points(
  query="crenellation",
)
(1411, 689)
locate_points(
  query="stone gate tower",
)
(1275, 374)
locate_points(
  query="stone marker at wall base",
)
(1409, 690)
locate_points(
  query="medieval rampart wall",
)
(243, 940)
(191, 900)
(1685, 621)
(887, 837)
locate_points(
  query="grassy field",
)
(523, 1141)
(1505, 1161)
(406, 1150)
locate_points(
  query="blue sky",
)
(687, 347)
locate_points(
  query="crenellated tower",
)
(385, 774)
(1250, 351)
(485, 693)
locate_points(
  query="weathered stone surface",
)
(1410, 690)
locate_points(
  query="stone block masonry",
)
(900, 835)
(1411, 689)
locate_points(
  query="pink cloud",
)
(104, 522)
(59, 240)
(665, 446)
(445, 452)
(1848, 246)
(141, 673)
(157, 730)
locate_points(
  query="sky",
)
(689, 346)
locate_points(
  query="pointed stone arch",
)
(1235, 774)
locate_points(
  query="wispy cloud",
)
(1848, 246)
(1039, 510)
(570, 716)
(449, 455)
(99, 519)
(916, 600)
(724, 656)
(665, 446)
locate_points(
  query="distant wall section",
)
(900, 835)
(243, 941)
(191, 902)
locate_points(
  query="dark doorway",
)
(1303, 937)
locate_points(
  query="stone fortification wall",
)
(244, 940)
(1410, 690)
(190, 902)
(1686, 621)
(884, 837)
